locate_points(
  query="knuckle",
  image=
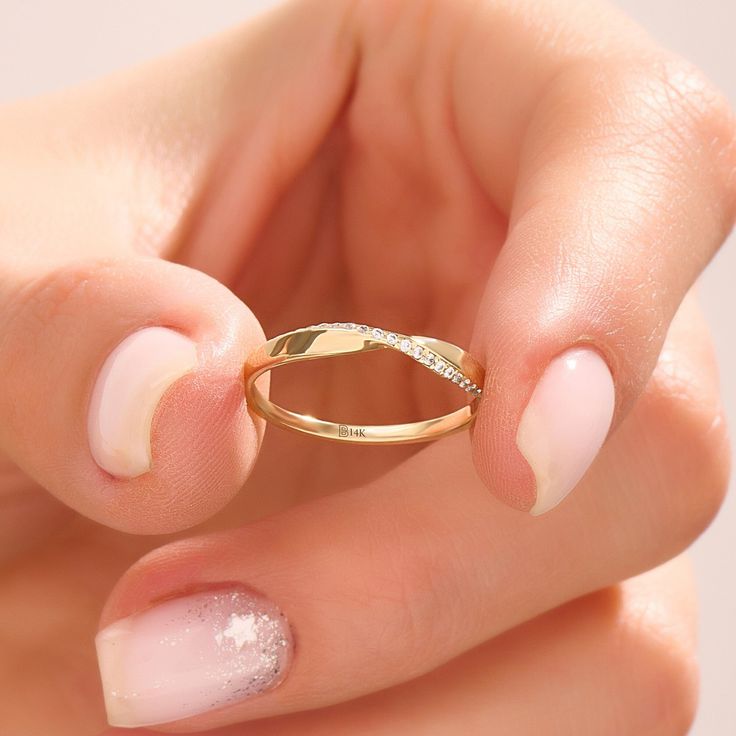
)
(658, 106)
(687, 413)
(686, 117)
(669, 685)
(656, 662)
(411, 585)
(699, 112)
(685, 98)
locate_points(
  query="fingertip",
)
(498, 461)
(203, 445)
(138, 378)
(203, 441)
(191, 414)
(533, 454)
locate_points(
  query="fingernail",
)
(191, 655)
(565, 423)
(128, 389)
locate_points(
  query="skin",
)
(399, 159)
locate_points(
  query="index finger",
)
(623, 189)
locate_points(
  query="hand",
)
(520, 178)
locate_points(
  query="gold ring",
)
(342, 338)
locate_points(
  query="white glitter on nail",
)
(241, 629)
(190, 655)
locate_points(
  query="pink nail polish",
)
(128, 389)
(565, 423)
(190, 655)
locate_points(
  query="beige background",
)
(47, 44)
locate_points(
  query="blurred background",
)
(47, 44)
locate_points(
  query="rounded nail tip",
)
(119, 719)
(544, 503)
(110, 633)
(123, 714)
(122, 465)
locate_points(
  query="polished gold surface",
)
(328, 340)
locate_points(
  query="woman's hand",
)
(525, 178)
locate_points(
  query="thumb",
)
(122, 389)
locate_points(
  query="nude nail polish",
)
(565, 423)
(128, 389)
(190, 655)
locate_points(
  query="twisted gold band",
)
(341, 338)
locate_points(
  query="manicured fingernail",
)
(190, 655)
(565, 423)
(128, 389)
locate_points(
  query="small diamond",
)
(349, 325)
(417, 352)
(457, 377)
(322, 325)
(478, 391)
(429, 359)
(449, 371)
(363, 329)
(405, 345)
(376, 333)
(470, 389)
(465, 383)
(439, 366)
(392, 338)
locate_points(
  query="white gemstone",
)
(439, 366)
(470, 389)
(392, 338)
(405, 346)
(376, 333)
(349, 325)
(429, 359)
(478, 391)
(449, 371)
(363, 328)
(322, 325)
(417, 353)
(457, 378)
(465, 382)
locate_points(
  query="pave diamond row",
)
(413, 349)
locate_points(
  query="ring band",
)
(342, 338)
